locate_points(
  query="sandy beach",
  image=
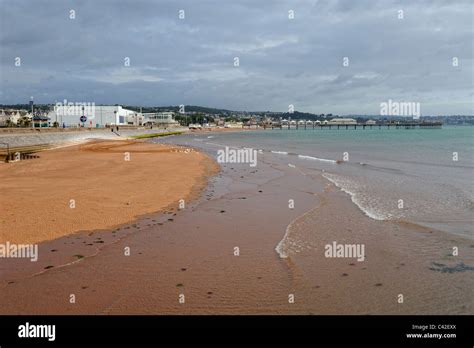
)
(96, 185)
(191, 253)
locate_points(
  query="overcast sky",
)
(282, 61)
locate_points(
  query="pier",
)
(400, 125)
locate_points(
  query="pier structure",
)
(387, 125)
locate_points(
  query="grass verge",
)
(154, 135)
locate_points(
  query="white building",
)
(342, 121)
(166, 117)
(11, 116)
(71, 115)
(234, 125)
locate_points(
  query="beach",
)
(238, 248)
(98, 184)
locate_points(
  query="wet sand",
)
(192, 252)
(222, 130)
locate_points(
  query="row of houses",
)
(12, 117)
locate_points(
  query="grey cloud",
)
(282, 61)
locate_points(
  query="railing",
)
(8, 151)
(22, 152)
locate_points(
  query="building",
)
(11, 117)
(342, 121)
(40, 121)
(234, 125)
(91, 115)
(162, 118)
(220, 121)
(370, 122)
(275, 123)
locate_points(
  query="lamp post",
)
(32, 116)
(56, 114)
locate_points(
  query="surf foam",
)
(345, 186)
(316, 159)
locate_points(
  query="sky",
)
(342, 57)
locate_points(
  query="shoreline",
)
(193, 254)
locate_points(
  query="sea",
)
(422, 176)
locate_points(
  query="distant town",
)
(77, 115)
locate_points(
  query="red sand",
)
(95, 178)
(191, 252)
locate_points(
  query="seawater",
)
(424, 176)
